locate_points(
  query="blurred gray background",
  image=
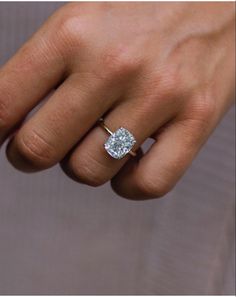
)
(59, 237)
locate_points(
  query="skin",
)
(161, 70)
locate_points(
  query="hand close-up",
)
(163, 71)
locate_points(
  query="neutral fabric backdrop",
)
(59, 237)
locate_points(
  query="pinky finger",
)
(156, 173)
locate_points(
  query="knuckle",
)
(87, 171)
(198, 120)
(69, 26)
(120, 62)
(33, 148)
(165, 82)
(168, 81)
(72, 29)
(153, 189)
(202, 110)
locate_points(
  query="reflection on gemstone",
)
(120, 143)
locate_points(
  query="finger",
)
(35, 69)
(61, 122)
(91, 164)
(157, 172)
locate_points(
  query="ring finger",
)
(89, 162)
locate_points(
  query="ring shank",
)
(102, 124)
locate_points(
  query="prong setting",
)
(120, 143)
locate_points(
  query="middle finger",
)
(73, 109)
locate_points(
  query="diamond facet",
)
(120, 143)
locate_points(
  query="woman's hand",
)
(161, 70)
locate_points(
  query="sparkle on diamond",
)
(119, 143)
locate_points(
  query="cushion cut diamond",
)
(119, 143)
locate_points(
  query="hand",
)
(161, 70)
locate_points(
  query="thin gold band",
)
(102, 124)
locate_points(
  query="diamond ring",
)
(119, 143)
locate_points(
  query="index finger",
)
(28, 76)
